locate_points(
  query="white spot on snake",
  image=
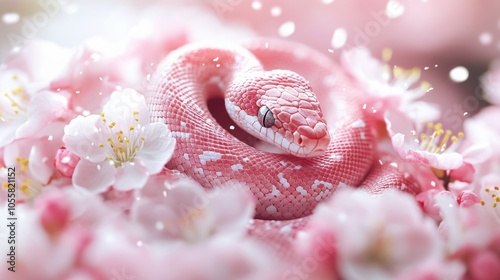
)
(297, 167)
(275, 191)
(336, 157)
(362, 135)
(245, 159)
(180, 134)
(403, 187)
(236, 167)
(358, 124)
(286, 229)
(271, 209)
(209, 156)
(218, 173)
(394, 164)
(199, 171)
(183, 124)
(283, 181)
(318, 182)
(283, 163)
(301, 190)
(342, 185)
(319, 196)
(186, 156)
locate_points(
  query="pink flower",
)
(119, 147)
(42, 61)
(472, 235)
(24, 113)
(32, 159)
(65, 162)
(185, 211)
(384, 237)
(89, 78)
(388, 87)
(430, 206)
(430, 145)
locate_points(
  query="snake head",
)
(280, 108)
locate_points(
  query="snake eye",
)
(265, 117)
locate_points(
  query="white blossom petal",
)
(130, 176)
(94, 177)
(82, 137)
(158, 147)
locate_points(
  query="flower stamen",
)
(436, 140)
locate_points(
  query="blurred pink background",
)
(433, 35)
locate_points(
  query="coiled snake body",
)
(320, 158)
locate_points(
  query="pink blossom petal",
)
(477, 152)
(467, 199)
(485, 266)
(44, 107)
(406, 145)
(83, 138)
(158, 147)
(65, 162)
(8, 132)
(130, 176)
(443, 161)
(465, 173)
(40, 160)
(427, 201)
(40, 60)
(233, 207)
(94, 177)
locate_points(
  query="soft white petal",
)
(158, 147)
(233, 208)
(121, 107)
(130, 176)
(82, 137)
(8, 131)
(44, 107)
(94, 177)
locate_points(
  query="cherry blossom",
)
(24, 113)
(118, 147)
(430, 145)
(32, 158)
(472, 236)
(185, 211)
(384, 236)
(388, 87)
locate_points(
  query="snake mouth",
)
(313, 147)
(218, 111)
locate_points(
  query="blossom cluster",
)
(96, 202)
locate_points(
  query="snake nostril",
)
(301, 140)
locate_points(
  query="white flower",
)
(23, 114)
(119, 147)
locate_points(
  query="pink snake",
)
(284, 186)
